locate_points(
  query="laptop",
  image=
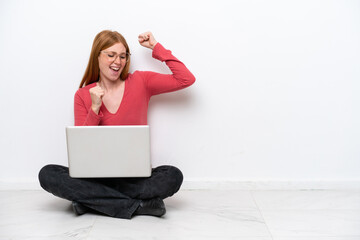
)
(108, 151)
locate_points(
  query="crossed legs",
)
(116, 197)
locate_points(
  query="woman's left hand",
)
(147, 40)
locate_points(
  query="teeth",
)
(116, 69)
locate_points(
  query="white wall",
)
(276, 98)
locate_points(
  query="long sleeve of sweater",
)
(157, 83)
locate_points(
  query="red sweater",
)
(139, 87)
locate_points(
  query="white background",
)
(276, 98)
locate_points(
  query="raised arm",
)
(157, 83)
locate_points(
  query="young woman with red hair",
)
(110, 95)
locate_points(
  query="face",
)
(112, 61)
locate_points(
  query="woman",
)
(110, 95)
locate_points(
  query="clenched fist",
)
(147, 40)
(96, 93)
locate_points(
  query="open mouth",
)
(115, 69)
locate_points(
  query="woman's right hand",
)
(96, 93)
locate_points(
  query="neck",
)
(108, 85)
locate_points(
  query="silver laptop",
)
(108, 151)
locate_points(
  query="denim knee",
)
(47, 175)
(174, 178)
(177, 175)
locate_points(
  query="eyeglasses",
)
(112, 56)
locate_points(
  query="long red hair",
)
(103, 40)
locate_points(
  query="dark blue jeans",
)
(115, 197)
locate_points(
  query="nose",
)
(117, 60)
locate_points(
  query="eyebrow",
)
(115, 52)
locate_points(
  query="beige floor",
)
(192, 214)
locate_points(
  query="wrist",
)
(153, 46)
(95, 109)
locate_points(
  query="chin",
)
(113, 78)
